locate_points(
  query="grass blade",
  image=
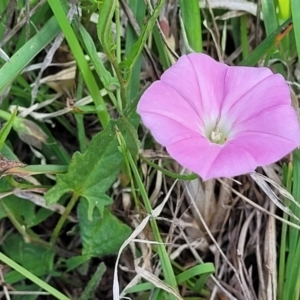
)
(81, 61)
(190, 11)
(269, 13)
(296, 22)
(32, 277)
(260, 51)
(26, 53)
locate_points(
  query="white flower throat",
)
(217, 133)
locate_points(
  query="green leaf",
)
(142, 287)
(35, 258)
(106, 12)
(75, 261)
(103, 235)
(132, 140)
(139, 44)
(91, 172)
(96, 199)
(27, 274)
(106, 78)
(24, 211)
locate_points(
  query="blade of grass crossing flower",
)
(269, 13)
(32, 277)
(264, 47)
(88, 77)
(296, 21)
(138, 9)
(191, 16)
(164, 257)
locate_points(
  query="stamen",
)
(216, 135)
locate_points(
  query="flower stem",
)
(63, 218)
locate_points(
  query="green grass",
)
(89, 187)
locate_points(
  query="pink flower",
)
(220, 121)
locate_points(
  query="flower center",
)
(217, 134)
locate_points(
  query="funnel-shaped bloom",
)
(220, 121)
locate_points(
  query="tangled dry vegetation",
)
(214, 221)
(227, 222)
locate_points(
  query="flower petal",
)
(167, 114)
(270, 135)
(270, 92)
(250, 107)
(212, 160)
(199, 79)
(240, 80)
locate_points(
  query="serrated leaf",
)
(103, 235)
(92, 173)
(99, 201)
